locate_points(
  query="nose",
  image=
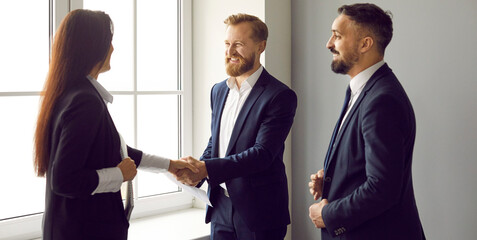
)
(330, 43)
(230, 50)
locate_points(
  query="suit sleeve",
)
(385, 129)
(269, 141)
(207, 154)
(79, 125)
(208, 149)
(135, 155)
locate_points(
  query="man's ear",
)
(261, 46)
(366, 44)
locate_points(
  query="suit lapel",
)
(218, 108)
(257, 90)
(367, 88)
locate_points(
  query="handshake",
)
(186, 170)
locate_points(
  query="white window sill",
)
(185, 224)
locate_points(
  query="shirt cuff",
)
(110, 180)
(153, 163)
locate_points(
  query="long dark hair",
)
(82, 41)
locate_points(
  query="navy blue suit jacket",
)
(83, 139)
(368, 179)
(253, 168)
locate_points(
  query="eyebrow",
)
(336, 31)
(234, 41)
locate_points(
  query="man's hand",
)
(186, 176)
(316, 184)
(176, 165)
(128, 169)
(315, 213)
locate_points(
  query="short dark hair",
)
(259, 28)
(373, 19)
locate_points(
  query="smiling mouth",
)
(233, 60)
(334, 52)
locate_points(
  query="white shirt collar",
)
(248, 83)
(107, 97)
(357, 83)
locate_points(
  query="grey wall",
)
(434, 55)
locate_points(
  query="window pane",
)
(157, 44)
(22, 192)
(24, 45)
(122, 112)
(157, 134)
(121, 75)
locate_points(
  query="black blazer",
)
(368, 181)
(253, 168)
(83, 139)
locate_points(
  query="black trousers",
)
(226, 224)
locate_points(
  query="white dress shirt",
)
(357, 84)
(233, 104)
(110, 179)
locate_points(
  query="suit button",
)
(327, 179)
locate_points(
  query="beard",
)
(343, 65)
(244, 65)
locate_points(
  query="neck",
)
(363, 65)
(239, 79)
(95, 76)
(94, 73)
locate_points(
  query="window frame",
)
(30, 226)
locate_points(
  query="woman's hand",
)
(128, 169)
(177, 165)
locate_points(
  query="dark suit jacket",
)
(253, 168)
(368, 179)
(83, 139)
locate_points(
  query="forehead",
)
(342, 24)
(239, 32)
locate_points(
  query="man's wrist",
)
(203, 170)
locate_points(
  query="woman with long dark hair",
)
(77, 146)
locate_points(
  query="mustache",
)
(334, 51)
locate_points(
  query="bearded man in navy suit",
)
(252, 113)
(366, 183)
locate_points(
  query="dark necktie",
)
(337, 127)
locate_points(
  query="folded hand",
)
(316, 184)
(316, 215)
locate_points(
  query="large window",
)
(149, 79)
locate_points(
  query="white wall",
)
(433, 54)
(208, 31)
